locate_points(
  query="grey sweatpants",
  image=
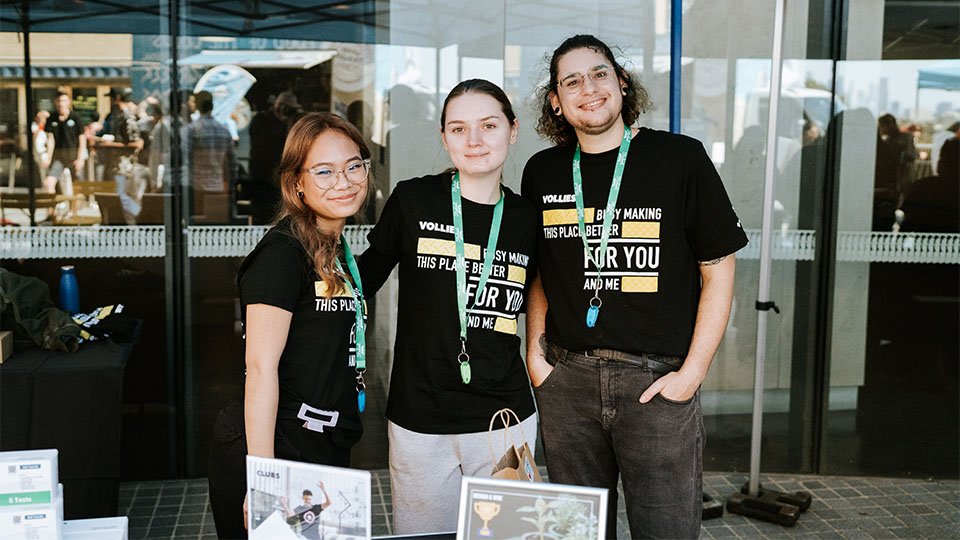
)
(425, 472)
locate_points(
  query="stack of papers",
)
(31, 502)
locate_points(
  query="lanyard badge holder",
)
(463, 358)
(593, 311)
(361, 334)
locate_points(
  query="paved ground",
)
(843, 508)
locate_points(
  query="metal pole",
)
(763, 294)
(676, 70)
(32, 168)
(171, 266)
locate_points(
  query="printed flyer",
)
(292, 500)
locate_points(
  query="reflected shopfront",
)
(867, 304)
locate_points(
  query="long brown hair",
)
(556, 128)
(322, 248)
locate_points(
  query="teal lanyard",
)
(361, 327)
(463, 358)
(594, 310)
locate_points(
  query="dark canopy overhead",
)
(329, 20)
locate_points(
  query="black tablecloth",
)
(71, 402)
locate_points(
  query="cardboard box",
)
(28, 477)
(33, 521)
(114, 528)
(6, 345)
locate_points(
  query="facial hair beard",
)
(596, 127)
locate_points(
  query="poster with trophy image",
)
(512, 510)
(288, 500)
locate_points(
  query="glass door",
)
(894, 341)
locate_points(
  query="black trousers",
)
(227, 468)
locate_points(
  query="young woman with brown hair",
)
(300, 292)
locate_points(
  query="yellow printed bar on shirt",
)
(436, 246)
(320, 289)
(566, 216)
(640, 229)
(516, 274)
(641, 284)
(507, 326)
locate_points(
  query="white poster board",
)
(512, 510)
(292, 500)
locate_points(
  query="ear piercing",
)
(300, 194)
(556, 110)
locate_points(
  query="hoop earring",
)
(300, 195)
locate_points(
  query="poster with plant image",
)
(289, 500)
(512, 510)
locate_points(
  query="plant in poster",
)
(572, 520)
(544, 518)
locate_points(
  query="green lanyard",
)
(594, 310)
(361, 326)
(463, 358)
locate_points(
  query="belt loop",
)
(645, 364)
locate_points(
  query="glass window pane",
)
(99, 181)
(893, 372)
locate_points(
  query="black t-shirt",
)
(66, 134)
(672, 212)
(317, 365)
(415, 229)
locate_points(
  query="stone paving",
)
(844, 507)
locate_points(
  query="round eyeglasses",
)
(573, 82)
(325, 177)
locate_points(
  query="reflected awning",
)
(67, 72)
(945, 76)
(259, 59)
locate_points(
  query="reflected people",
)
(410, 143)
(895, 162)
(69, 145)
(211, 163)
(465, 245)
(158, 155)
(933, 204)
(42, 149)
(268, 128)
(117, 148)
(299, 293)
(360, 114)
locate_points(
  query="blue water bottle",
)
(69, 292)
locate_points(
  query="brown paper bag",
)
(516, 463)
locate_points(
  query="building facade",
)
(862, 358)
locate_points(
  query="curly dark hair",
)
(556, 128)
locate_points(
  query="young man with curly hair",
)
(635, 285)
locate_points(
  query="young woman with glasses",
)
(303, 330)
(464, 244)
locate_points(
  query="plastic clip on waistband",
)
(766, 306)
(317, 419)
